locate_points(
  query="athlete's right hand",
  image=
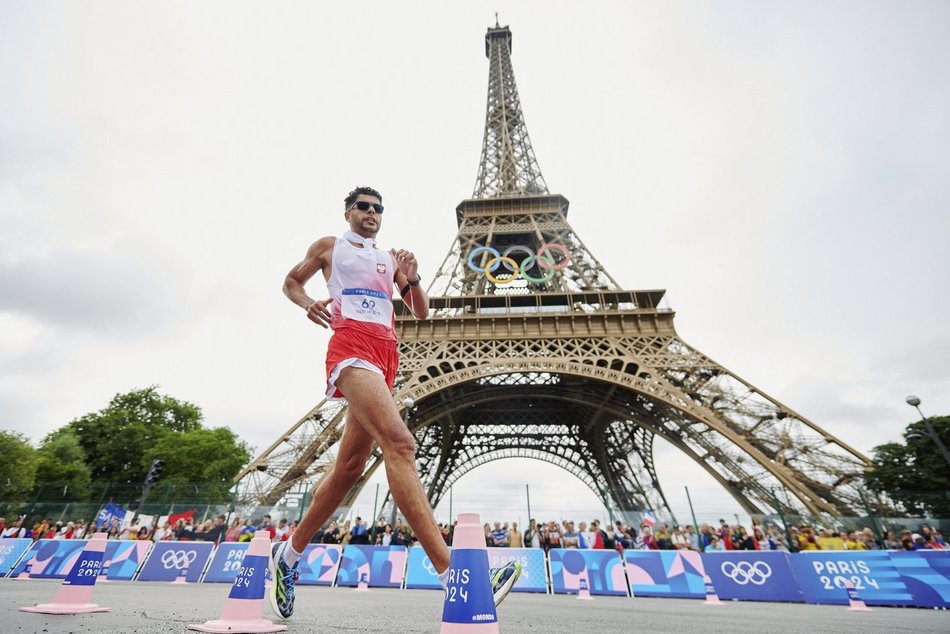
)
(318, 313)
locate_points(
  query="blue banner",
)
(50, 558)
(534, 572)
(752, 575)
(603, 570)
(319, 564)
(822, 575)
(109, 512)
(170, 560)
(381, 566)
(226, 563)
(420, 573)
(123, 558)
(926, 573)
(665, 573)
(11, 549)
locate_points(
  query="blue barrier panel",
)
(420, 573)
(926, 573)
(50, 558)
(319, 564)
(822, 575)
(121, 559)
(226, 563)
(170, 560)
(11, 549)
(534, 572)
(752, 575)
(665, 573)
(382, 565)
(604, 568)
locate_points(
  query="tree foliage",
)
(62, 461)
(212, 456)
(915, 473)
(117, 437)
(17, 468)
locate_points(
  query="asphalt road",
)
(162, 607)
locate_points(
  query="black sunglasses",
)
(362, 205)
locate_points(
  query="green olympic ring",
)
(545, 262)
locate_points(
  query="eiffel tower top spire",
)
(508, 166)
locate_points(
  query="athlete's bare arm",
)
(319, 258)
(408, 269)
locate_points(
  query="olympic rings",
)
(179, 559)
(743, 572)
(543, 257)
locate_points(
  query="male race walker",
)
(361, 369)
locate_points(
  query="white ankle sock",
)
(444, 578)
(291, 556)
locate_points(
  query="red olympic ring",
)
(558, 247)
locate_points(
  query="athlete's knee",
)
(402, 445)
(350, 468)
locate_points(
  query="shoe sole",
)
(272, 591)
(503, 592)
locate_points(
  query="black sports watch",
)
(416, 281)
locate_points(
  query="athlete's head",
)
(365, 191)
(363, 210)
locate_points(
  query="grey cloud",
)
(116, 291)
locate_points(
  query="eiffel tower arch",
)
(533, 350)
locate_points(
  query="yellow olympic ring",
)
(495, 280)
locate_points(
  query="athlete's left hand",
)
(406, 262)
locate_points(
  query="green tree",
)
(61, 462)
(915, 473)
(209, 456)
(117, 437)
(17, 468)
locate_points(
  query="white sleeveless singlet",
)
(361, 285)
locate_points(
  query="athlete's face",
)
(366, 223)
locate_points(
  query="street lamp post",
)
(930, 432)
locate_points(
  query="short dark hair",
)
(366, 191)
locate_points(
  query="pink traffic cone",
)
(583, 589)
(182, 577)
(74, 595)
(243, 611)
(711, 597)
(469, 605)
(362, 585)
(855, 602)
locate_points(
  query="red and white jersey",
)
(361, 286)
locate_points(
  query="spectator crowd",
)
(545, 535)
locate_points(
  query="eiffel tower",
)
(533, 350)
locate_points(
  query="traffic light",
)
(154, 471)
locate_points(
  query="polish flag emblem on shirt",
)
(380, 267)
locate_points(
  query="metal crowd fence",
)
(62, 502)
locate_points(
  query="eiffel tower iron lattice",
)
(532, 350)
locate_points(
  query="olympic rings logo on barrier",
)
(744, 573)
(427, 564)
(179, 559)
(504, 258)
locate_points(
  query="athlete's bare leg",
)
(371, 405)
(355, 447)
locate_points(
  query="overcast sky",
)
(783, 169)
